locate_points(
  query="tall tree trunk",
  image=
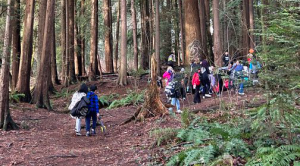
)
(54, 75)
(5, 117)
(117, 39)
(177, 31)
(82, 41)
(203, 28)
(64, 75)
(41, 96)
(16, 40)
(151, 25)
(134, 35)
(77, 40)
(245, 27)
(107, 43)
(217, 40)
(93, 71)
(191, 27)
(157, 39)
(41, 27)
(209, 36)
(145, 34)
(23, 85)
(111, 37)
(122, 79)
(251, 21)
(71, 19)
(167, 31)
(182, 35)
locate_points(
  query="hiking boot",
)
(87, 134)
(78, 134)
(179, 111)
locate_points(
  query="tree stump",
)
(153, 105)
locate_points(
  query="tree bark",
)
(54, 75)
(16, 41)
(157, 38)
(23, 85)
(42, 16)
(245, 27)
(117, 39)
(203, 28)
(145, 34)
(191, 27)
(70, 47)
(5, 117)
(134, 35)
(41, 96)
(94, 42)
(77, 46)
(107, 41)
(209, 36)
(64, 73)
(122, 79)
(217, 40)
(251, 22)
(82, 41)
(182, 36)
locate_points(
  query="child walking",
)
(93, 111)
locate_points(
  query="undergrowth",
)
(132, 98)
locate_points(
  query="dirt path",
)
(48, 138)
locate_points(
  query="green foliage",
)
(281, 156)
(105, 100)
(15, 97)
(133, 98)
(193, 156)
(164, 136)
(64, 93)
(237, 147)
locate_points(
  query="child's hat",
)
(93, 88)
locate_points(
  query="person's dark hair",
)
(93, 88)
(83, 88)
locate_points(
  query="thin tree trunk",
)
(23, 85)
(111, 37)
(251, 21)
(63, 42)
(67, 66)
(94, 40)
(54, 75)
(217, 41)
(203, 28)
(145, 34)
(245, 27)
(134, 35)
(5, 117)
(71, 19)
(16, 40)
(177, 31)
(191, 28)
(107, 41)
(122, 79)
(182, 36)
(41, 96)
(209, 36)
(82, 41)
(157, 38)
(117, 39)
(77, 57)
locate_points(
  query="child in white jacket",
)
(75, 99)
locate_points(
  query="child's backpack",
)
(170, 89)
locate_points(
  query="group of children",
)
(92, 105)
(207, 80)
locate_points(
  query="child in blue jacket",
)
(93, 111)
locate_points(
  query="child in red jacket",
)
(196, 85)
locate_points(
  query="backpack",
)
(81, 107)
(170, 89)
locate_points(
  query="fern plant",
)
(15, 97)
(279, 156)
(133, 98)
(164, 136)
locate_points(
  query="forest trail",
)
(48, 138)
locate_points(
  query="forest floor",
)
(48, 138)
